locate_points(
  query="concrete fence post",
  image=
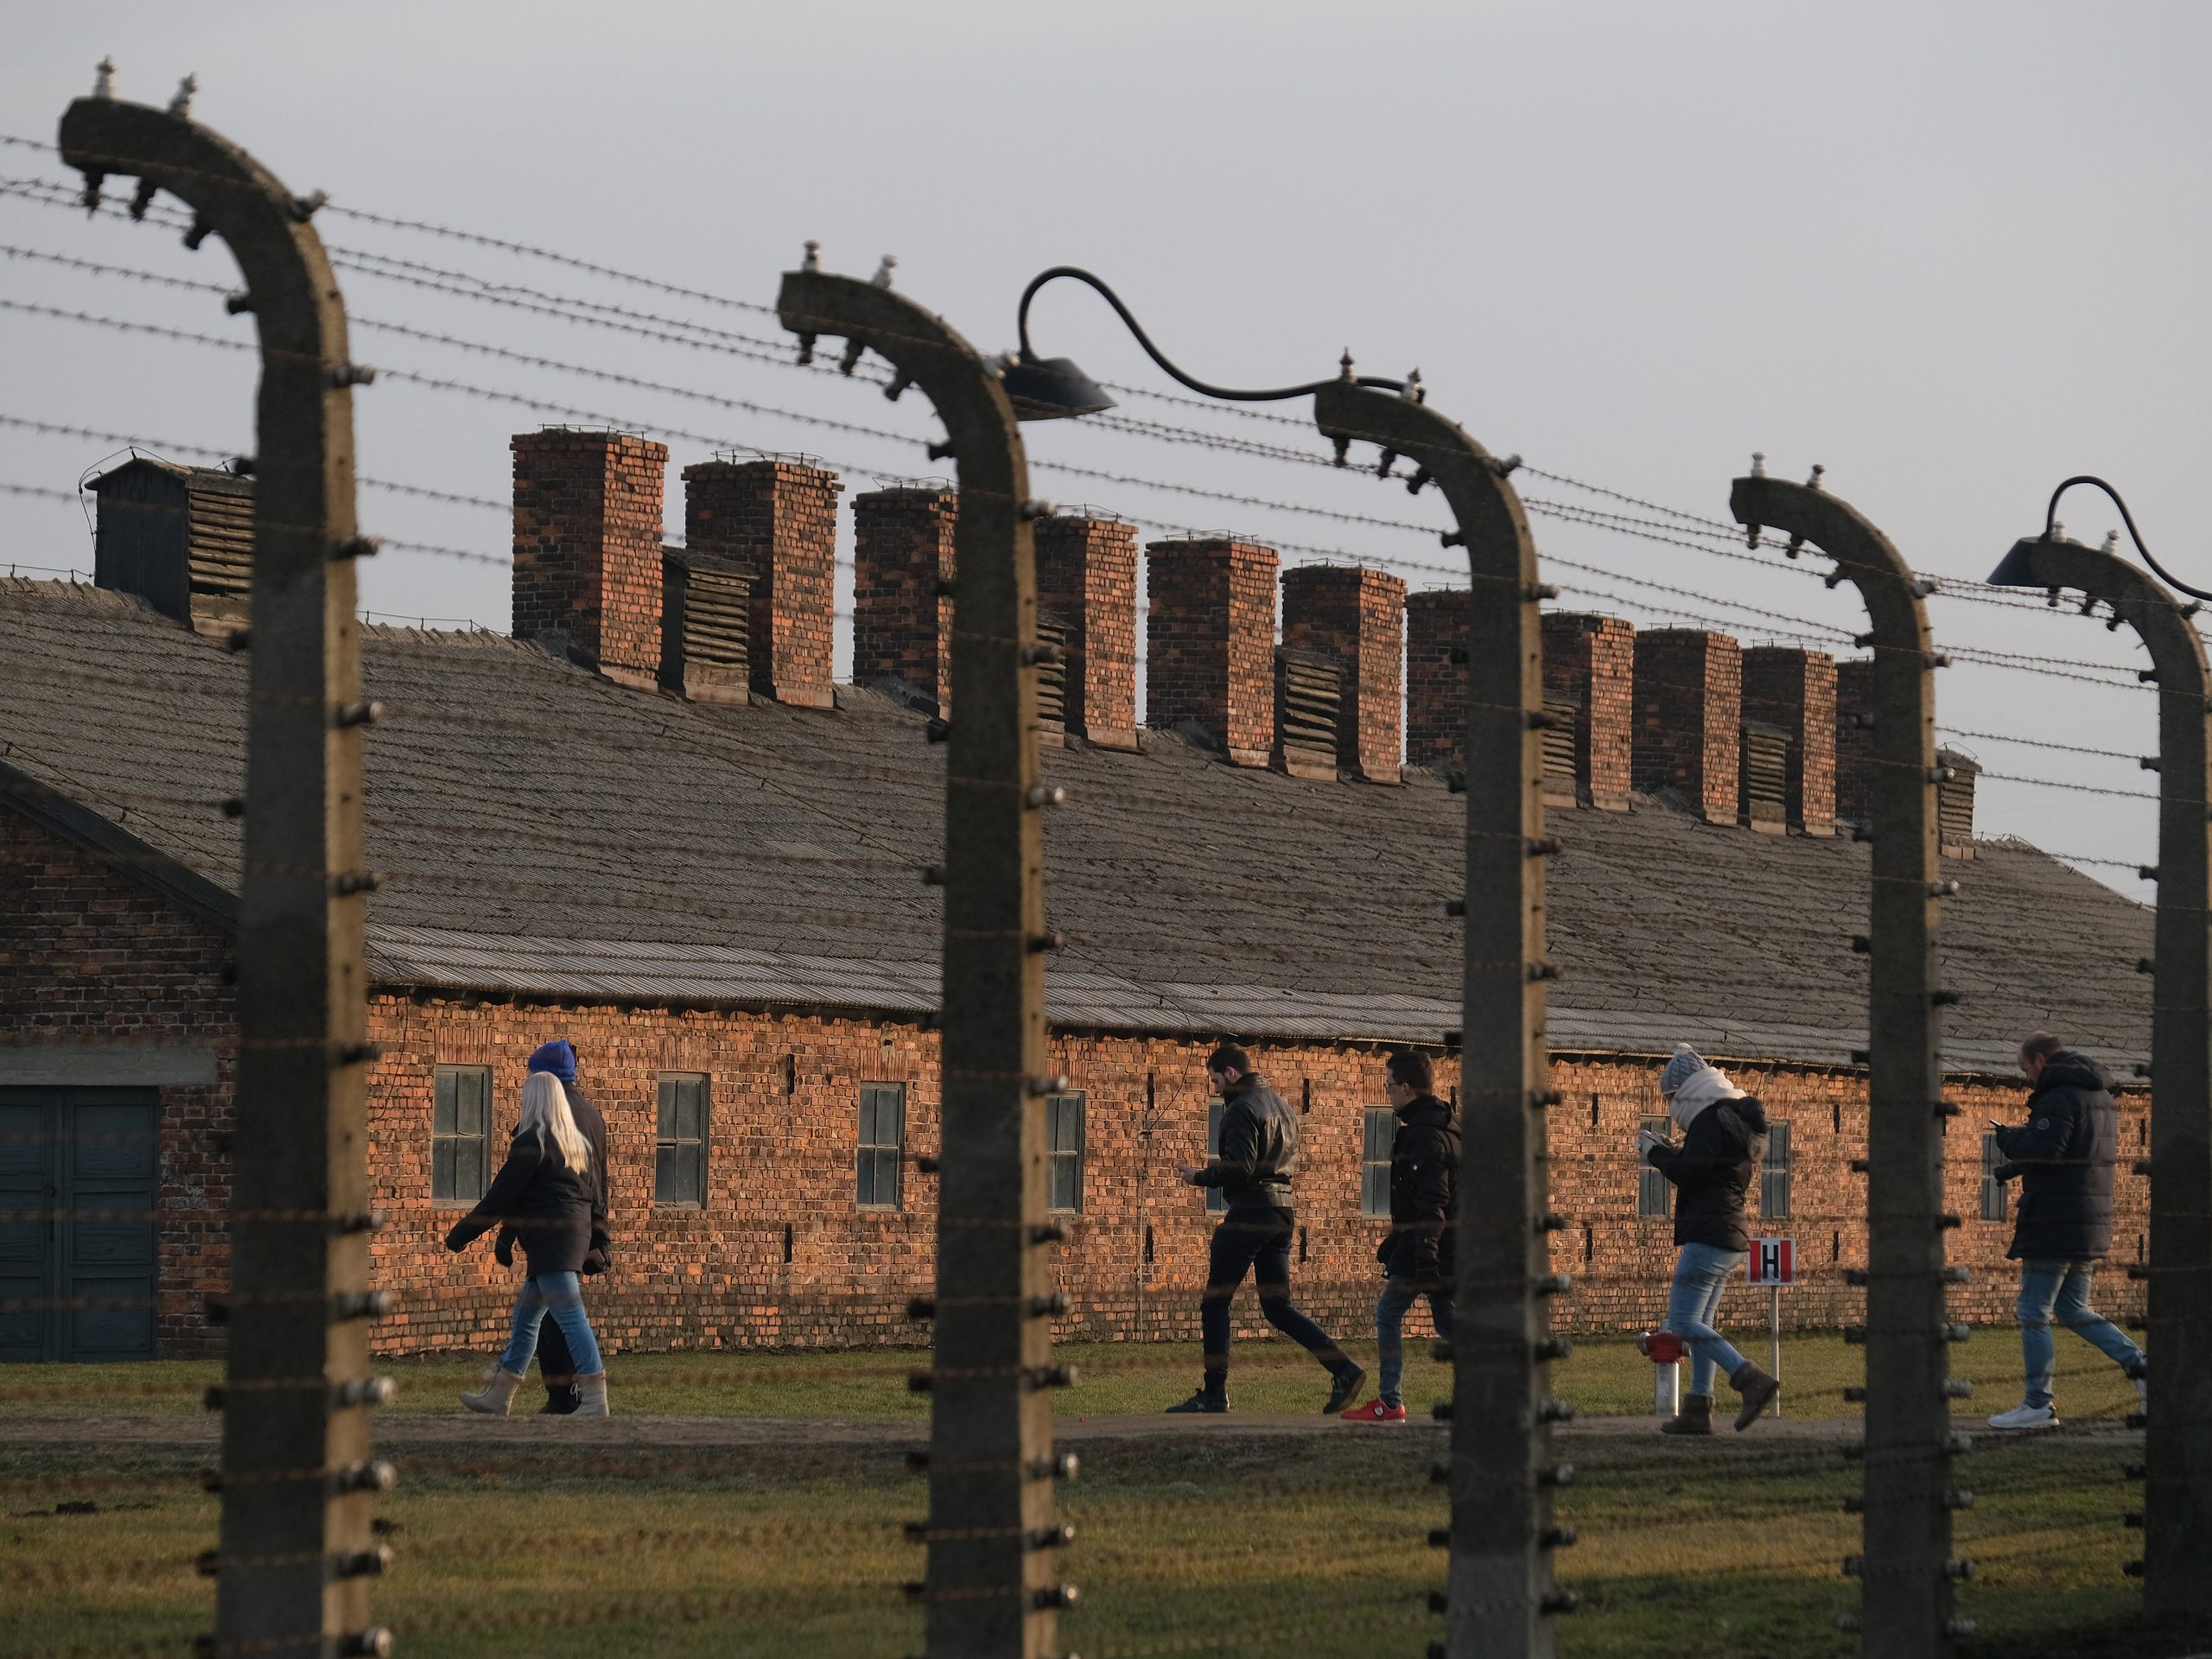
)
(992, 1584)
(297, 1545)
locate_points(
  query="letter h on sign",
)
(1773, 1261)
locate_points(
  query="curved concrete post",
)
(1501, 1593)
(1906, 1569)
(990, 1590)
(2177, 1461)
(296, 1546)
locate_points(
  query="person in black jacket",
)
(1258, 1156)
(1417, 1257)
(2063, 1156)
(1723, 1140)
(543, 1191)
(556, 1367)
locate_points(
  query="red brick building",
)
(591, 832)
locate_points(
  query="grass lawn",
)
(1225, 1544)
(1606, 1377)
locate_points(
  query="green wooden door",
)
(77, 1236)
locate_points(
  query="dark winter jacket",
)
(2064, 1155)
(1424, 1192)
(1259, 1147)
(594, 1130)
(547, 1205)
(1710, 1172)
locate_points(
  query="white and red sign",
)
(1773, 1261)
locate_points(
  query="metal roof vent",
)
(1564, 715)
(1765, 760)
(1954, 804)
(1309, 690)
(1052, 679)
(706, 624)
(180, 538)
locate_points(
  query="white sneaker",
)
(2025, 1417)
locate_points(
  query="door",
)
(77, 1236)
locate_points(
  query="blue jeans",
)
(1398, 1295)
(562, 1296)
(1699, 1277)
(2062, 1288)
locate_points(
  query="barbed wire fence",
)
(1650, 524)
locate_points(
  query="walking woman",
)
(543, 1193)
(1724, 1139)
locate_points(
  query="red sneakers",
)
(1375, 1411)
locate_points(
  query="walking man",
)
(2063, 1155)
(1258, 1156)
(1418, 1258)
(556, 1367)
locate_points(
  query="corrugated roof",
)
(545, 832)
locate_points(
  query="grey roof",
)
(545, 832)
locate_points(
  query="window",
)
(1064, 1152)
(883, 1144)
(1774, 1178)
(460, 1134)
(680, 1141)
(1375, 1162)
(1217, 1199)
(1993, 1190)
(1650, 1185)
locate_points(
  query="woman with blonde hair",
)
(542, 1193)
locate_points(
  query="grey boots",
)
(498, 1392)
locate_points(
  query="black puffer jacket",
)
(595, 1131)
(1710, 1172)
(1424, 1190)
(2064, 1155)
(1259, 1147)
(546, 1204)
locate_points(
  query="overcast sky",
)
(1952, 253)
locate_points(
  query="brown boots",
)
(1694, 1417)
(1756, 1387)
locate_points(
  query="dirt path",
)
(403, 1428)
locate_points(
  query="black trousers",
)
(1255, 1240)
(557, 1366)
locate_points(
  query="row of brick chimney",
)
(1772, 736)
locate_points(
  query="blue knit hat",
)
(1686, 1064)
(557, 1057)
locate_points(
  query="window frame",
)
(1373, 1169)
(1783, 1169)
(1060, 1158)
(665, 1142)
(1654, 1200)
(871, 1158)
(1993, 1195)
(440, 1077)
(1217, 1197)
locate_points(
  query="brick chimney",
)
(1854, 740)
(1210, 643)
(902, 623)
(587, 548)
(1357, 618)
(1589, 678)
(775, 521)
(1689, 716)
(1436, 680)
(1087, 579)
(1795, 690)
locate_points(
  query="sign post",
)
(1774, 1264)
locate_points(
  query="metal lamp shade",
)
(1050, 389)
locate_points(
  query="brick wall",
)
(1795, 689)
(1855, 743)
(776, 521)
(1436, 686)
(1590, 661)
(1087, 575)
(88, 954)
(1210, 641)
(1358, 617)
(588, 546)
(902, 626)
(1688, 716)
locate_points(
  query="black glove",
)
(594, 1262)
(504, 1251)
(454, 1242)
